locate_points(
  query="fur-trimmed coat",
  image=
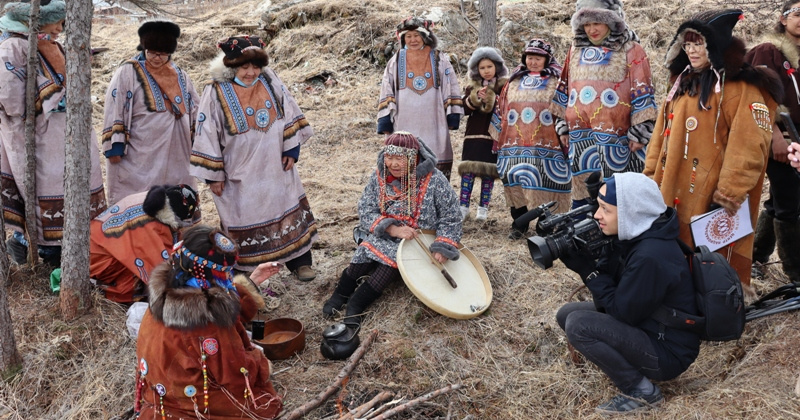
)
(182, 326)
(781, 55)
(477, 156)
(698, 159)
(437, 206)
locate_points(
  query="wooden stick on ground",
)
(359, 411)
(344, 373)
(405, 406)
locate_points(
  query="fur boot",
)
(787, 235)
(764, 242)
(340, 295)
(358, 303)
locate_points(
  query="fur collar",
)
(494, 88)
(615, 41)
(788, 48)
(189, 307)
(221, 73)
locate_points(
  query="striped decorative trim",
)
(453, 101)
(202, 160)
(447, 241)
(388, 261)
(386, 101)
(376, 223)
(153, 97)
(299, 123)
(116, 128)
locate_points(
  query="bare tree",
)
(10, 360)
(487, 34)
(31, 93)
(75, 286)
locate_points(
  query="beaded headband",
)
(790, 11)
(392, 149)
(203, 262)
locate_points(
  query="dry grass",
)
(512, 360)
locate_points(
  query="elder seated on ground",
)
(641, 270)
(135, 235)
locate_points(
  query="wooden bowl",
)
(283, 338)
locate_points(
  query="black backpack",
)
(719, 298)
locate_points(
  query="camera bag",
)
(719, 298)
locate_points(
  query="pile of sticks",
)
(382, 406)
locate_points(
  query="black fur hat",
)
(716, 28)
(159, 35)
(182, 201)
(242, 49)
(423, 26)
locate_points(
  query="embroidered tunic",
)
(241, 136)
(125, 246)
(436, 209)
(601, 95)
(692, 155)
(418, 100)
(531, 161)
(139, 120)
(51, 118)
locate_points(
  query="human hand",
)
(217, 187)
(265, 271)
(794, 155)
(635, 146)
(439, 257)
(288, 163)
(581, 264)
(402, 232)
(779, 151)
(114, 159)
(482, 93)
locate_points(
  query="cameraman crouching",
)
(640, 270)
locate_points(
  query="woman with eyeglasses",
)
(249, 133)
(711, 142)
(49, 134)
(150, 110)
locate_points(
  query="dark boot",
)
(764, 241)
(51, 256)
(18, 252)
(358, 303)
(517, 232)
(787, 235)
(343, 290)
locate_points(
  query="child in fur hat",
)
(488, 74)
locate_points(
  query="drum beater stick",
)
(435, 262)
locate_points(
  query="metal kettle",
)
(339, 341)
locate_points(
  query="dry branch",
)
(344, 373)
(361, 410)
(464, 15)
(405, 406)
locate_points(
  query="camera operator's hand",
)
(581, 264)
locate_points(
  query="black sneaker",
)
(634, 403)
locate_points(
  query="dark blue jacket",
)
(637, 276)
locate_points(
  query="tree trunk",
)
(10, 360)
(31, 92)
(487, 33)
(75, 287)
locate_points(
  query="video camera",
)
(570, 232)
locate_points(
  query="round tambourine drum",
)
(474, 292)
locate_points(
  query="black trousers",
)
(784, 192)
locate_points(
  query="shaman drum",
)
(473, 294)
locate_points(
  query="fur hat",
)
(182, 201)
(242, 49)
(423, 26)
(50, 11)
(716, 28)
(500, 69)
(608, 12)
(159, 35)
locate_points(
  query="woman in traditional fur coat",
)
(420, 92)
(195, 358)
(49, 132)
(605, 95)
(712, 138)
(249, 133)
(404, 194)
(488, 74)
(531, 161)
